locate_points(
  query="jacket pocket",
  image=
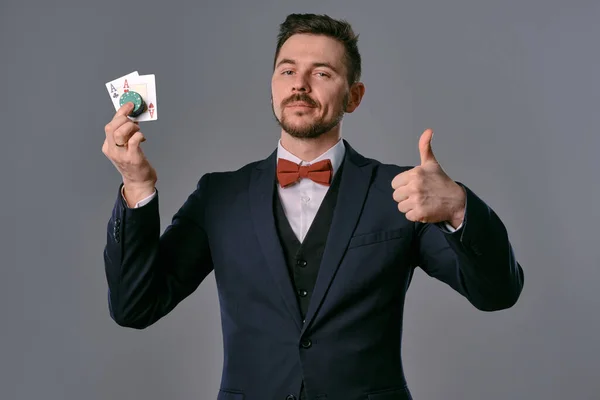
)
(375, 237)
(393, 394)
(230, 395)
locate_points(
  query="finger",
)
(136, 139)
(113, 125)
(400, 194)
(125, 132)
(414, 216)
(405, 206)
(118, 119)
(425, 150)
(401, 179)
(417, 216)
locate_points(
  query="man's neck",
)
(309, 149)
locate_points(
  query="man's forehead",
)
(308, 48)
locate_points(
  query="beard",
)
(309, 130)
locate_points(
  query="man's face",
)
(309, 87)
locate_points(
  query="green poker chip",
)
(136, 99)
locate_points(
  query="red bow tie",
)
(289, 172)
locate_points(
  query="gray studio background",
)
(511, 89)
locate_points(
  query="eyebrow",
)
(315, 64)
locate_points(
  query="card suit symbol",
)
(151, 110)
(115, 95)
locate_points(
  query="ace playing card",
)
(119, 86)
(145, 85)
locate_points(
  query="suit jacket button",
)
(302, 263)
(290, 397)
(306, 343)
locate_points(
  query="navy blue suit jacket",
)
(349, 347)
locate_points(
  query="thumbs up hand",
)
(425, 193)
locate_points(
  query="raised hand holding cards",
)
(139, 90)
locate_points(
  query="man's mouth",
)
(299, 104)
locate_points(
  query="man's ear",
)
(357, 91)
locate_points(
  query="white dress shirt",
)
(302, 200)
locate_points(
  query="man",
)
(312, 261)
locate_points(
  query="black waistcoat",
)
(303, 259)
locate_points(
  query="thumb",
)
(425, 147)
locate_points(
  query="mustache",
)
(300, 97)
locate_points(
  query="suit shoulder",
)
(387, 171)
(242, 171)
(229, 179)
(384, 173)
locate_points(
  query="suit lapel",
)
(262, 190)
(354, 186)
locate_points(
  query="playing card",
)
(118, 86)
(145, 85)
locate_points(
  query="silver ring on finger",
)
(120, 145)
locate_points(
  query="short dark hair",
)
(315, 24)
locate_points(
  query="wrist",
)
(136, 192)
(457, 220)
(458, 215)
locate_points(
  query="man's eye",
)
(287, 73)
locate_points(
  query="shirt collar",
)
(335, 154)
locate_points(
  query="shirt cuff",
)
(450, 228)
(447, 227)
(140, 203)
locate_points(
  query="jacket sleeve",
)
(477, 260)
(148, 274)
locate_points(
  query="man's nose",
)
(301, 84)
